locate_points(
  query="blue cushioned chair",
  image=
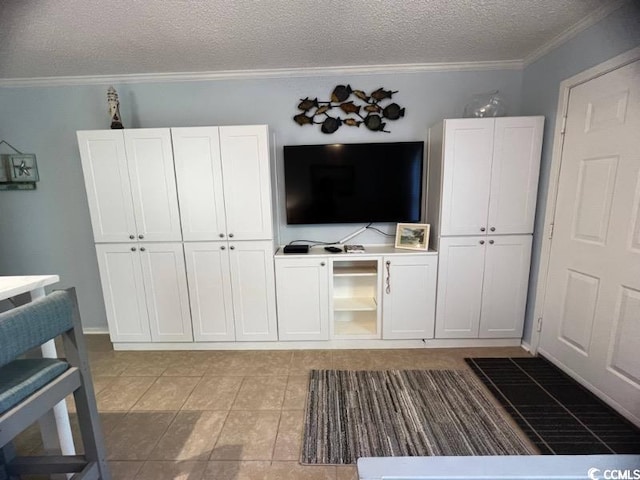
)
(30, 387)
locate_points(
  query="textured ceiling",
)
(41, 38)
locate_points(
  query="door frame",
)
(566, 85)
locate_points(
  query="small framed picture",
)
(412, 236)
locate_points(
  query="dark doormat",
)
(353, 414)
(557, 414)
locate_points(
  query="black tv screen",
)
(353, 183)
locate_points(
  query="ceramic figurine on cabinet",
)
(114, 108)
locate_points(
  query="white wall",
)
(613, 35)
(49, 231)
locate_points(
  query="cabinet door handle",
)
(481, 242)
(482, 229)
(131, 237)
(133, 249)
(388, 279)
(142, 249)
(223, 247)
(221, 235)
(140, 237)
(322, 264)
(493, 229)
(232, 247)
(490, 242)
(231, 235)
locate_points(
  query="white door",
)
(210, 291)
(514, 174)
(247, 182)
(460, 274)
(504, 290)
(253, 290)
(466, 176)
(591, 322)
(153, 184)
(165, 285)
(106, 178)
(409, 296)
(196, 153)
(302, 286)
(123, 291)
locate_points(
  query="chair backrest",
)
(33, 324)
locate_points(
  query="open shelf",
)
(355, 324)
(354, 271)
(354, 304)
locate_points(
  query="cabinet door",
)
(106, 178)
(514, 174)
(123, 291)
(460, 274)
(467, 151)
(210, 291)
(409, 304)
(303, 301)
(253, 290)
(196, 153)
(247, 182)
(153, 184)
(506, 279)
(165, 285)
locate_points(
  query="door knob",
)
(142, 249)
(322, 264)
(140, 237)
(493, 229)
(491, 242)
(231, 235)
(221, 235)
(223, 247)
(481, 242)
(482, 229)
(133, 249)
(232, 247)
(131, 237)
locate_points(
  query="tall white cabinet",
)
(483, 180)
(183, 229)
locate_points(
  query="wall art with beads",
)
(373, 110)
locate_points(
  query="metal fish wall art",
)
(363, 109)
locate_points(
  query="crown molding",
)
(257, 74)
(591, 19)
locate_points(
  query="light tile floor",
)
(224, 415)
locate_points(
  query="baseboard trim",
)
(322, 345)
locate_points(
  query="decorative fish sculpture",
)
(349, 107)
(323, 109)
(330, 125)
(361, 95)
(306, 104)
(372, 108)
(393, 111)
(352, 122)
(374, 123)
(381, 94)
(301, 119)
(341, 93)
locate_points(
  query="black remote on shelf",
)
(333, 249)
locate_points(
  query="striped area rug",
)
(352, 414)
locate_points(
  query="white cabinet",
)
(303, 300)
(489, 175)
(482, 286)
(223, 182)
(145, 292)
(130, 183)
(408, 306)
(232, 290)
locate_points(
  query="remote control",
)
(333, 249)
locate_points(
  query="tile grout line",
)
(512, 406)
(563, 406)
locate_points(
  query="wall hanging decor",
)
(18, 171)
(114, 108)
(368, 109)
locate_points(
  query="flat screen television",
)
(353, 183)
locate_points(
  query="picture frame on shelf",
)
(412, 236)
